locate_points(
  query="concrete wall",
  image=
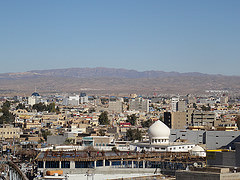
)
(218, 139)
(222, 159)
(178, 120)
(237, 155)
(212, 139)
(195, 137)
(104, 170)
(193, 175)
(56, 140)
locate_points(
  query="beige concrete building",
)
(178, 120)
(97, 140)
(115, 106)
(204, 118)
(139, 104)
(189, 113)
(9, 131)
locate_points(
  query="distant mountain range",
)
(110, 80)
(97, 72)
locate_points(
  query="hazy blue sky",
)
(177, 35)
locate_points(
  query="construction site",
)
(78, 161)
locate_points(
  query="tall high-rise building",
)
(139, 104)
(83, 98)
(203, 118)
(181, 106)
(71, 100)
(175, 120)
(174, 103)
(115, 106)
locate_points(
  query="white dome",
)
(197, 149)
(159, 130)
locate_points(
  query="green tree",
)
(91, 110)
(40, 107)
(132, 119)
(102, 132)
(7, 116)
(45, 133)
(138, 135)
(133, 134)
(20, 106)
(205, 108)
(69, 141)
(129, 134)
(194, 106)
(57, 110)
(51, 107)
(147, 123)
(103, 118)
(7, 104)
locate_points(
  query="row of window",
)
(180, 147)
(66, 164)
(158, 140)
(8, 133)
(100, 144)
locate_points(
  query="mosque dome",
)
(35, 94)
(198, 149)
(159, 130)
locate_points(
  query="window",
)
(52, 164)
(65, 164)
(40, 164)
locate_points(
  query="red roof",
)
(125, 123)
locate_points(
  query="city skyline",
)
(186, 36)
